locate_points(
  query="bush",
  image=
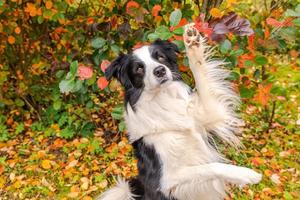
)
(54, 53)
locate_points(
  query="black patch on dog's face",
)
(165, 52)
(130, 70)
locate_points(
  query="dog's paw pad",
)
(191, 36)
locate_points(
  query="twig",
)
(204, 6)
(31, 106)
(272, 116)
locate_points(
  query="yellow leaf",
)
(11, 39)
(230, 2)
(216, 13)
(73, 195)
(87, 198)
(72, 164)
(46, 164)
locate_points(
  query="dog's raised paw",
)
(191, 36)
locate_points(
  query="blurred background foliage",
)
(53, 54)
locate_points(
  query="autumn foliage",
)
(61, 118)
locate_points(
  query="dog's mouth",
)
(163, 80)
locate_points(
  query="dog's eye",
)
(140, 70)
(161, 58)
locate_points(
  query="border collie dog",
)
(172, 127)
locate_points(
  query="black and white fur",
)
(171, 126)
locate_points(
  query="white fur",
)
(178, 125)
(120, 192)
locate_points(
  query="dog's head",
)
(147, 68)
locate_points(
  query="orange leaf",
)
(267, 33)
(104, 65)
(258, 161)
(49, 4)
(216, 13)
(263, 95)
(251, 39)
(102, 83)
(131, 6)
(155, 10)
(17, 30)
(46, 164)
(11, 39)
(183, 68)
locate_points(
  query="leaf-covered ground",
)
(34, 166)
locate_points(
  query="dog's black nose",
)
(159, 71)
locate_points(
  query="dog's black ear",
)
(113, 70)
(167, 45)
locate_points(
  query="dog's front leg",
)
(215, 99)
(203, 173)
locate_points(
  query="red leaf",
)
(182, 22)
(155, 10)
(102, 83)
(131, 6)
(203, 28)
(273, 22)
(104, 65)
(84, 72)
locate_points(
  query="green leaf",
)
(115, 48)
(59, 74)
(225, 46)
(261, 60)
(19, 102)
(180, 45)
(78, 85)
(117, 112)
(87, 129)
(153, 36)
(175, 17)
(165, 35)
(237, 52)
(67, 133)
(179, 31)
(246, 93)
(248, 63)
(162, 29)
(234, 76)
(66, 86)
(288, 196)
(20, 128)
(57, 105)
(291, 13)
(40, 19)
(73, 68)
(122, 126)
(297, 21)
(97, 43)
